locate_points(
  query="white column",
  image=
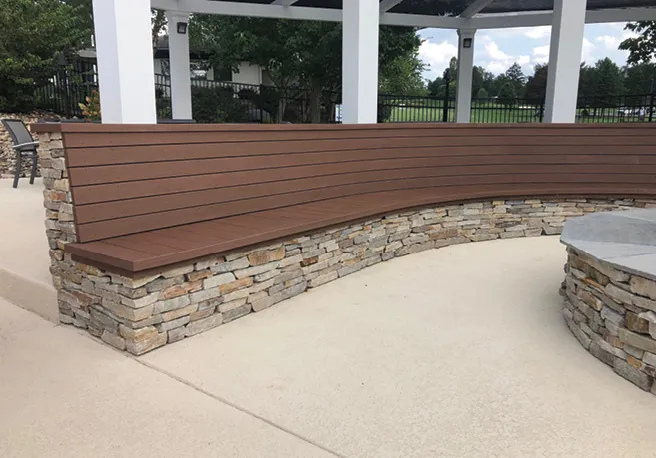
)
(565, 60)
(465, 74)
(125, 61)
(360, 61)
(179, 65)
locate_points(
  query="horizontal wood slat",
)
(90, 194)
(124, 208)
(119, 137)
(149, 195)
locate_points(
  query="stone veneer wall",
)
(612, 314)
(165, 306)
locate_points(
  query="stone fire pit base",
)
(610, 290)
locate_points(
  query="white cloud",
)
(541, 54)
(437, 55)
(538, 32)
(586, 53)
(608, 41)
(498, 61)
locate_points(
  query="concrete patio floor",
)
(458, 352)
(24, 263)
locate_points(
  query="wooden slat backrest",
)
(128, 179)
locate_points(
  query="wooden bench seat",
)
(151, 196)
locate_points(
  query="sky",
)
(496, 50)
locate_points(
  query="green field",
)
(498, 113)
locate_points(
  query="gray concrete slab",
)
(24, 262)
(65, 395)
(458, 352)
(617, 237)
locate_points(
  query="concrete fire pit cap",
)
(624, 239)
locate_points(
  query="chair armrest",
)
(25, 145)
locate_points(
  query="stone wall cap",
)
(623, 239)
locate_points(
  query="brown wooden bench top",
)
(149, 196)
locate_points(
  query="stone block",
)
(173, 304)
(580, 335)
(643, 286)
(168, 325)
(617, 293)
(146, 345)
(636, 323)
(611, 315)
(638, 340)
(205, 295)
(113, 340)
(239, 294)
(200, 314)
(218, 280)
(203, 325)
(177, 271)
(644, 303)
(137, 335)
(321, 279)
(228, 306)
(177, 313)
(633, 375)
(258, 258)
(601, 354)
(236, 285)
(129, 313)
(633, 351)
(251, 271)
(177, 334)
(180, 290)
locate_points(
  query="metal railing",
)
(221, 102)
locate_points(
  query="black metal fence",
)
(63, 93)
(221, 102)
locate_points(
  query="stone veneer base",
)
(165, 306)
(612, 313)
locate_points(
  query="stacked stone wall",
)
(612, 313)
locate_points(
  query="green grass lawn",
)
(432, 111)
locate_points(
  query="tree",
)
(507, 94)
(482, 94)
(607, 81)
(639, 79)
(32, 34)
(515, 76)
(536, 85)
(587, 76)
(303, 53)
(643, 47)
(478, 79)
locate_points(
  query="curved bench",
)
(610, 290)
(171, 230)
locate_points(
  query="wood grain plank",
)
(119, 191)
(123, 208)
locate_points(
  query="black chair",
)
(24, 145)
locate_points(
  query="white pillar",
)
(179, 65)
(360, 20)
(465, 74)
(565, 60)
(125, 61)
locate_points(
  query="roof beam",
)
(476, 7)
(387, 5)
(508, 20)
(284, 2)
(249, 9)
(422, 21)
